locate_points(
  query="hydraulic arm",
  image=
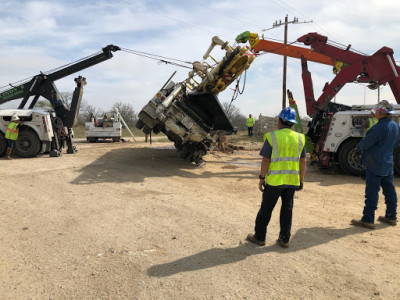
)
(377, 69)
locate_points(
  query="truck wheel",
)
(350, 158)
(3, 144)
(139, 124)
(28, 143)
(157, 129)
(116, 139)
(184, 152)
(92, 139)
(396, 159)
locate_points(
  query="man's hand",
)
(301, 186)
(261, 185)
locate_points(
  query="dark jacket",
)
(378, 146)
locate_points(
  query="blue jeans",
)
(372, 186)
(10, 143)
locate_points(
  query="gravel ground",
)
(134, 221)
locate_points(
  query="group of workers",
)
(283, 168)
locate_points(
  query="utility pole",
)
(275, 25)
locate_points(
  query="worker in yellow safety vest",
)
(250, 123)
(371, 121)
(12, 134)
(283, 167)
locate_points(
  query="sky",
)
(38, 36)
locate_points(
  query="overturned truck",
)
(189, 112)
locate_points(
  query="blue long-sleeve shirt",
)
(378, 145)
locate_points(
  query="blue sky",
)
(42, 35)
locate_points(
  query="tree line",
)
(87, 110)
(129, 114)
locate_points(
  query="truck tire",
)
(183, 152)
(139, 124)
(92, 139)
(117, 139)
(396, 160)
(28, 143)
(350, 158)
(3, 144)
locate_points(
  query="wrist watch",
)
(260, 177)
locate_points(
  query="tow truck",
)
(336, 129)
(47, 131)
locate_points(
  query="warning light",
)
(162, 98)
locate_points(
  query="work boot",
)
(252, 238)
(8, 153)
(387, 221)
(361, 223)
(282, 243)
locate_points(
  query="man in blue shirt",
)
(378, 146)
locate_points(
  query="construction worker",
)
(283, 167)
(371, 121)
(250, 123)
(12, 134)
(377, 158)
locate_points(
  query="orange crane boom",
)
(258, 45)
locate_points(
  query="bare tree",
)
(127, 112)
(234, 115)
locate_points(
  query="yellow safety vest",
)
(250, 122)
(372, 122)
(284, 168)
(12, 131)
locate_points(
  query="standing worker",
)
(283, 167)
(371, 121)
(377, 158)
(250, 123)
(12, 134)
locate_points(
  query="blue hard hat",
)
(288, 114)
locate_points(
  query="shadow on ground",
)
(136, 164)
(303, 239)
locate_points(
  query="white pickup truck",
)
(101, 128)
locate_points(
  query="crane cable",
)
(161, 59)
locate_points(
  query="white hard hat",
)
(384, 107)
(14, 117)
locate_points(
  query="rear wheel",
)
(139, 124)
(92, 139)
(3, 144)
(350, 158)
(27, 144)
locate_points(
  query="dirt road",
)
(134, 221)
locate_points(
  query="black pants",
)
(250, 130)
(270, 197)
